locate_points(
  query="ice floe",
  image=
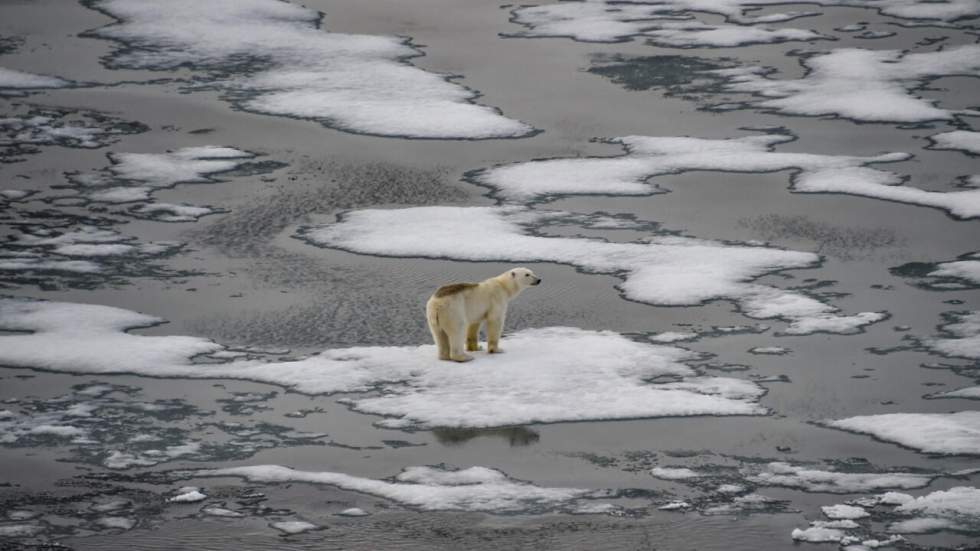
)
(674, 473)
(953, 275)
(616, 22)
(188, 494)
(646, 157)
(663, 270)
(426, 488)
(940, 433)
(858, 84)
(9, 78)
(292, 527)
(961, 336)
(548, 375)
(962, 140)
(21, 134)
(815, 480)
(275, 58)
(955, 509)
(842, 511)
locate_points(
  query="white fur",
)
(455, 319)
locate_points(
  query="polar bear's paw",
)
(462, 358)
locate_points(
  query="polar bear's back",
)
(453, 289)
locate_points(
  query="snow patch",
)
(941, 433)
(813, 480)
(274, 58)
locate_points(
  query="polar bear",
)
(455, 312)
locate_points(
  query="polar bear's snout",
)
(537, 281)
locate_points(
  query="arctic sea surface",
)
(757, 225)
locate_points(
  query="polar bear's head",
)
(524, 278)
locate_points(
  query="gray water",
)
(243, 280)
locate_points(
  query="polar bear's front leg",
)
(495, 325)
(472, 337)
(457, 343)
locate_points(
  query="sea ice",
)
(663, 270)
(541, 379)
(841, 511)
(426, 488)
(941, 433)
(275, 58)
(646, 157)
(962, 140)
(10, 78)
(616, 22)
(674, 473)
(188, 494)
(353, 512)
(294, 526)
(961, 336)
(858, 84)
(956, 509)
(813, 480)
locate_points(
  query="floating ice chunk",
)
(675, 506)
(10, 78)
(275, 58)
(215, 511)
(616, 22)
(923, 525)
(942, 433)
(353, 512)
(812, 480)
(294, 526)
(961, 336)
(118, 523)
(838, 512)
(818, 534)
(878, 184)
(20, 530)
(85, 129)
(57, 430)
(961, 500)
(36, 264)
(647, 157)
(674, 473)
(89, 249)
(970, 392)
(187, 165)
(666, 270)
(968, 270)
(862, 85)
(673, 336)
(894, 498)
(730, 489)
(541, 379)
(169, 212)
(111, 505)
(427, 488)
(13, 195)
(188, 494)
(962, 140)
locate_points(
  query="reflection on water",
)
(516, 436)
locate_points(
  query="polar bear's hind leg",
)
(457, 342)
(473, 337)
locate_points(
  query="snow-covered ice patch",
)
(275, 58)
(843, 511)
(646, 157)
(292, 527)
(956, 509)
(188, 494)
(353, 512)
(961, 140)
(617, 22)
(663, 270)
(427, 488)
(21, 134)
(858, 84)
(674, 473)
(940, 433)
(10, 78)
(548, 375)
(960, 336)
(769, 350)
(815, 480)
(116, 523)
(673, 336)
